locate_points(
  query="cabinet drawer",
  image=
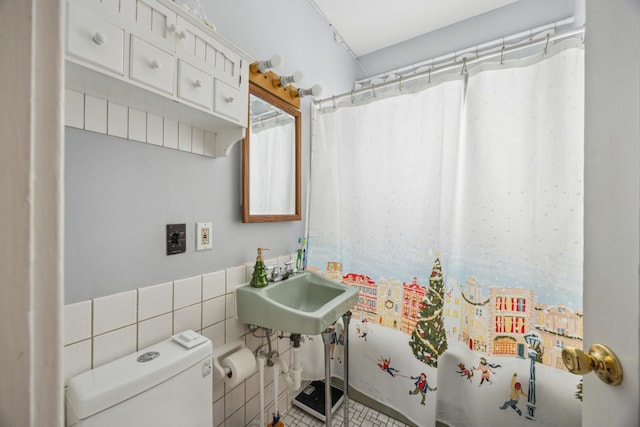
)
(226, 100)
(151, 66)
(92, 39)
(194, 85)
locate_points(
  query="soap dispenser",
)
(259, 276)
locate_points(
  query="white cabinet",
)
(194, 85)
(151, 66)
(94, 40)
(152, 56)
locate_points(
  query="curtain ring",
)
(352, 101)
(333, 101)
(546, 45)
(464, 65)
(373, 90)
(400, 85)
(429, 82)
(502, 55)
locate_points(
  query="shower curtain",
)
(457, 210)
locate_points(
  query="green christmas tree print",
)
(429, 338)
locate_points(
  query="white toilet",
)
(164, 385)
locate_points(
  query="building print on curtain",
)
(491, 341)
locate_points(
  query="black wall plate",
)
(176, 238)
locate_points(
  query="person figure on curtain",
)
(385, 365)
(422, 386)
(363, 330)
(516, 392)
(486, 370)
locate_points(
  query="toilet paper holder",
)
(219, 354)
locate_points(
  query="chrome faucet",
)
(275, 273)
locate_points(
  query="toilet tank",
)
(164, 385)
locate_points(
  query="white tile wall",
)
(77, 322)
(213, 311)
(188, 318)
(234, 330)
(213, 284)
(77, 359)
(215, 333)
(187, 292)
(154, 330)
(236, 276)
(230, 305)
(234, 400)
(218, 412)
(113, 345)
(114, 311)
(103, 329)
(155, 300)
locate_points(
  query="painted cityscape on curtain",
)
(492, 320)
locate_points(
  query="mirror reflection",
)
(271, 163)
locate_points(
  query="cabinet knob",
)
(155, 64)
(99, 38)
(229, 99)
(174, 29)
(197, 83)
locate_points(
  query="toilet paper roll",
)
(242, 363)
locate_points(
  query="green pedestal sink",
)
(306, 303)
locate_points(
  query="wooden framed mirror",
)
(271, 153)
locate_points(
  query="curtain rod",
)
(512, 39)
(459, 64)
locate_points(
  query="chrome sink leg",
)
(326, 339)
(346, 318)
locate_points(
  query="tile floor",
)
(359, 416)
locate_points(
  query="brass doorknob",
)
(600, 359)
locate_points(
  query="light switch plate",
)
(204, 236)
(176, 238)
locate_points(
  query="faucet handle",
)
(273, 271)
(289, 266)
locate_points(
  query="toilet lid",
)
(100, 388)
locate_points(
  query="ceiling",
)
(370, 25)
